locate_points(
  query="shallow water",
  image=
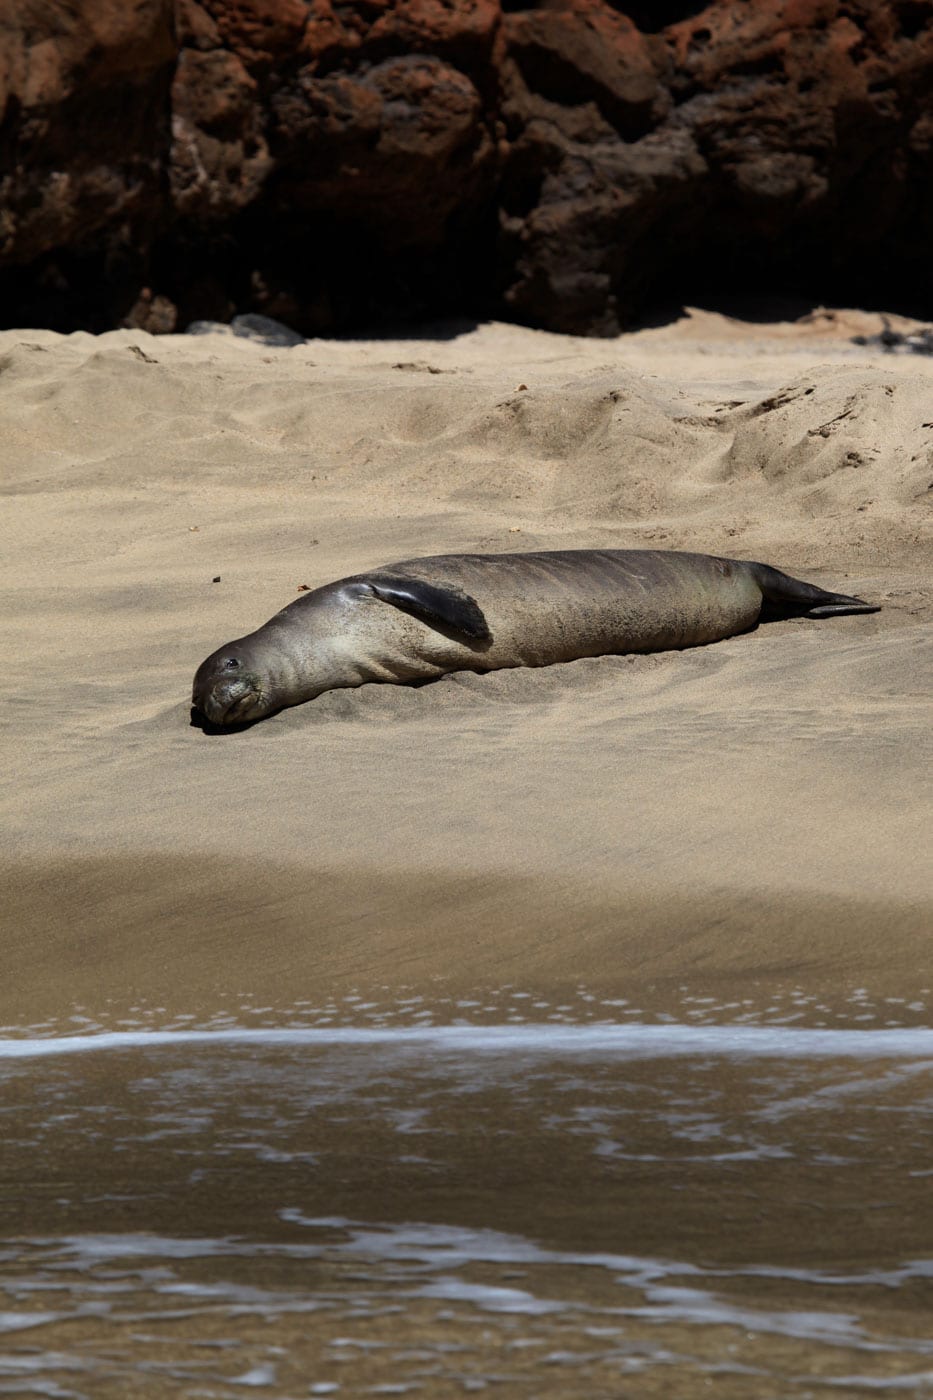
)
(589, 1206)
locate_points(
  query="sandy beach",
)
(564, 1029)
(736, 816)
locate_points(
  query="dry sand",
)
(728, 817)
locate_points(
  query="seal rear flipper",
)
(841, 603)
(791, 597)
(434, 604)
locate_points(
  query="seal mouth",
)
(242, 707)
(230, 703)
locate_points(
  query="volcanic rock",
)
(570, 163)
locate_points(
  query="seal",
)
(421, 618)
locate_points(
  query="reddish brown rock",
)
(84, 123)
(219, 159)
(398, 146)
(782, 162)
(580, 53)
(569, 162)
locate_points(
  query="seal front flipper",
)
(449, 606)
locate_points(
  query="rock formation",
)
(570, 163)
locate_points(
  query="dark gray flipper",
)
(449, 606)
(791, 597)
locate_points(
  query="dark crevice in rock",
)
(651, 16)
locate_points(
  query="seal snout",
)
(228, 702)
(225, 692)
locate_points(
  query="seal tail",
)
(791, 597)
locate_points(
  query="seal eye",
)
(231, 664)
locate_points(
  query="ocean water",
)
(502, 1195)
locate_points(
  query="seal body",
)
(421, 618)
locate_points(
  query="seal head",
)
(227, 689)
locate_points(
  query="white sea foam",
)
(599, 1040)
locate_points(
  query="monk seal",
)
(478, 612)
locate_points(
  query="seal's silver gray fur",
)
(454, 612)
